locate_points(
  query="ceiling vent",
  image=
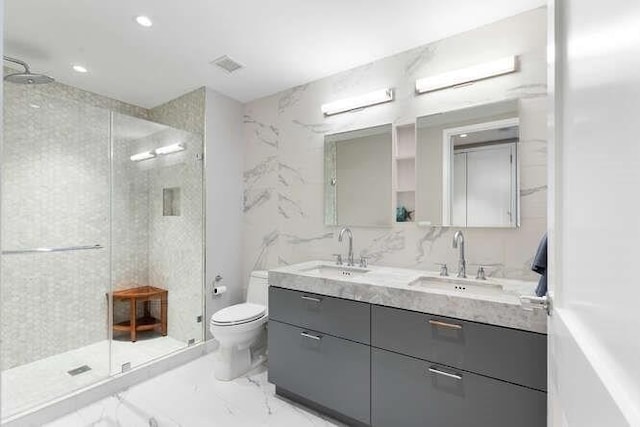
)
(227, 64)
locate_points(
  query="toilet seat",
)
(238, 314)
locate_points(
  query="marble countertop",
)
(394, 287)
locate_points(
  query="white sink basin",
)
(335, 271)
(458, 286)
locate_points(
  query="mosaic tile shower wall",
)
(160, 250)
(185, 112)
(130, 216)
(175, 242)
(176, 253)
(55, 188)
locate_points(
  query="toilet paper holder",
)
(217, 288)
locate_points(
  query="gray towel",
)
(540, 266)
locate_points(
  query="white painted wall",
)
(594, 216)
(224, 166)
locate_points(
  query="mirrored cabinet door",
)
(467, 167)
(358, 168)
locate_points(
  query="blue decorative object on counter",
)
(402, 214)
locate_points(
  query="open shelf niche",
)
(404, 170)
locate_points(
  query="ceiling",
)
(282, 43)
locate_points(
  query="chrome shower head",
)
(26, 77)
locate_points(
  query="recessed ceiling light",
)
(463, 135)
(79, 69)
(144, 21)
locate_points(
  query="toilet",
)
(241, 331)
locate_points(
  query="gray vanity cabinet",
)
(386, 367)
(334, 316)
(409, 392)
(507, 354)
(310, 361)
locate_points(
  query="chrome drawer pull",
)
(445, 374)
(313, 337)
(312, 299)
(444, 324)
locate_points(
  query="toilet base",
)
(232, 363)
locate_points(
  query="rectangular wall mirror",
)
(358, 177)
(467, 167)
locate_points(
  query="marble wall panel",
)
(284, 148)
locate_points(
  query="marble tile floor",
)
(190, 396)
(38, 382)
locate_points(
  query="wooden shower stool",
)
(147, 322)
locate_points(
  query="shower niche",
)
(171, 201)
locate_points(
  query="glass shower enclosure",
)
(102, 245)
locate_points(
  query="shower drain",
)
(79, 370)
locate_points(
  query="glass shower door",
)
(55, 247)
(157, 235)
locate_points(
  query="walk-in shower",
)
(102, 256)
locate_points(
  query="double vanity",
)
(396, 347)
(391, 347)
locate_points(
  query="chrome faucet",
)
(458, 242)
(444, 271)
(350, 235)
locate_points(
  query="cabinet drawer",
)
(333, 316)
(329, 371)
(405, 393)
(507, 354)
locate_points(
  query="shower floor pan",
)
(39, 382)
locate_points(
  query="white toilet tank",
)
(258, 289)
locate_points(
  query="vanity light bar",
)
(373, 98)
(174, 148)
(168, 149)
(467, 75)
(142, 156)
